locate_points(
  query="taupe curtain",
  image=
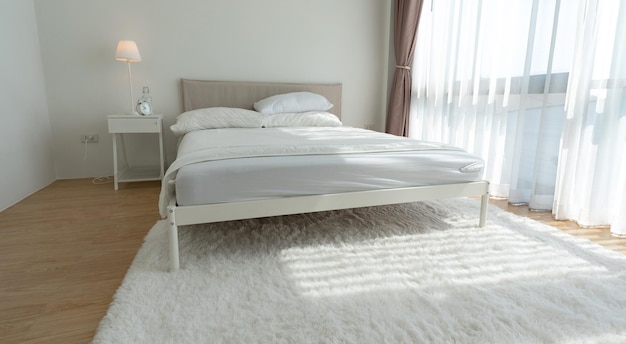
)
(406, 14)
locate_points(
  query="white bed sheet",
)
(248, 179)
(287, 162)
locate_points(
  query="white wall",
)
(25, 134)
(272, 40)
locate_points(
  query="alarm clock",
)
(144, 108)
(144, 103)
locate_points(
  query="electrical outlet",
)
(89, 138)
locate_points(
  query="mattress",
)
(232, 165)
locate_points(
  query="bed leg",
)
(173, 234)
(484, 202)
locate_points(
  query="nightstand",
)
(120, 125)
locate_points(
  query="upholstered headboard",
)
(198, 94)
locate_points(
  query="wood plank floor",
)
(66, 249)
(63, 254)
(601, 236)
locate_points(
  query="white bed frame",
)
(201, 94)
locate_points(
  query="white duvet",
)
(233, 143)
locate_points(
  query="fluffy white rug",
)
(412, 273)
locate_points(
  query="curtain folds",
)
(537, 89)
(591, 180)
(406, 17)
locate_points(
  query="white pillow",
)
(292, 102)
(302, 119)
(216, 117)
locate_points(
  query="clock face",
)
(144, 108)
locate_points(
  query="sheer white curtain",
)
(591, 179)
(494, 77)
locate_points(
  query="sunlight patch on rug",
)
(390, 263)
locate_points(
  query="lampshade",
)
(127, 51)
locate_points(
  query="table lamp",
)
(127, 52)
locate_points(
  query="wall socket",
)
(89, 138)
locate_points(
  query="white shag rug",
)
(411, 273)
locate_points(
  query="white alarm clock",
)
(144, 108)
(144, 103)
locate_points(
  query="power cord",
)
(102, 180)
(96, 180)
(85, 151)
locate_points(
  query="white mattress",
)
(286, 162)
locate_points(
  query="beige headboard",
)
(198, 94)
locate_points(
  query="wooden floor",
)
(63, 254)
(601, 236)
(65, 250)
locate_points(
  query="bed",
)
(281, 164)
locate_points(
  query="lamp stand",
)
(130, 87)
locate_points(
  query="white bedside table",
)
(119, 125)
